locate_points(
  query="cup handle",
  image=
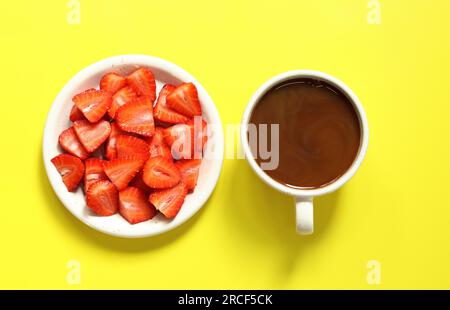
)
(304, 215)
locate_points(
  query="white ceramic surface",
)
(304, 197)
(58, 120)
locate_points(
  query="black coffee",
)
(319, 132)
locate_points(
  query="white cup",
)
(304, 197)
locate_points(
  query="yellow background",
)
(395, 210)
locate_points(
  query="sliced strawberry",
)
(160, 172)
(102, 198)
(93, 172)
(184, 100)
(76, 114)
(169, 201)
(187, 141)
(92, 135)
(70, 143)
(128, 146)
(162, 112)
(134, 206)
(144, 100)
(143, 83)
(189, 170)
(139, 183)
(120, 98)
(122, 170)
(110, 148)
(199, 136)
(158, 146)
(93, 103)
(136, 117)
(179, 139)
(70, 168)
(111, 82)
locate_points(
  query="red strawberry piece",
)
(134, 206)
(122, 170)
(111, 82)
(93, 103)
(68, 140)
(189, 170)
(169, 201)
(76, 114)
(143, 83)
(110, 148)
(160, 172)
(184, 100)
(158, 146)
(179, 138)
(92, 135)
(128, 146)
(139, 183)
(162, 112)
(102, 198)
(136, 117)
(93, 172)
(70, 168)
(187, 141)
(120, 98)
(199, 136)
(144, 100)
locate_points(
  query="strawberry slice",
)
(102, 198)
(136, 117)
(179, 139)
(187, 141)
(199, 136)
(122, 170)
(120, 98)
(92, 135)
(111, 82)
(76, 114)
(110, 148)
(169, 201)
(143, 83)
(144, 100)
(68, 140)
(189, 170)
(134, 206)
(158, 146)
(162, 112)
(93, 172)
(160, 172)
(70, 168)
(184, 100)
(128, 146)
(93, 103)
(139, 183)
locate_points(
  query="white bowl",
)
(58, 120)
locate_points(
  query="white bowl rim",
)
(143, 60)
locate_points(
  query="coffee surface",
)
(319, 132)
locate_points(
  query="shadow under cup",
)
(304, 132)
